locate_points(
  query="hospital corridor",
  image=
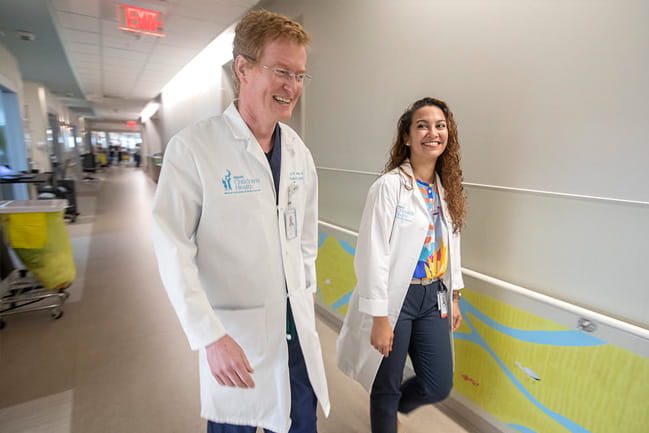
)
(117, 360)
(241, 216)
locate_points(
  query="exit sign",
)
(139, 20)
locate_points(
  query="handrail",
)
(579, 311)
(508, 188)
(557, 194)
(339, 228)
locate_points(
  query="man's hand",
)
(381, 337)
(228, 363)
(457, 315)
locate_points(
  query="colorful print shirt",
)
(433, 258)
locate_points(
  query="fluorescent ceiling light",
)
(148, 111)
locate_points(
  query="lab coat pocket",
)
(247, 326)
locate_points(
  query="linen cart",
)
(35, 231)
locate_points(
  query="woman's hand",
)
(457, 315)
(381, 337)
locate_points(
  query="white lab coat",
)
(391, 235)
(226, 261)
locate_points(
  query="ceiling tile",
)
(156, 76)
(123, 53)
(89, 72)
(82, 48)
(127, 43)
(222, 13)
(145, 92)
(164, 62)
(80, 36)
(151, 81)
(78, 22)
(175, 53)
(84, 7)
(85, 58)
(187, 26)
(120, 62)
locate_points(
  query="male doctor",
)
(235, 234)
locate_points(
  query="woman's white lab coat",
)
(227, 260)
(391, 235)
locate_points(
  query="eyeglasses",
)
(282, 74)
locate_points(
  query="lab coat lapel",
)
(288, 154)
(418, 199)
(241, 131)
(442, 196)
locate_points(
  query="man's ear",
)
(241, 68)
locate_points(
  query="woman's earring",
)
(408, 144)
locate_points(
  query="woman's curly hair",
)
(448, 163)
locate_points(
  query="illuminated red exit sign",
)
(139, 20)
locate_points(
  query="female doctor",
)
(407, 266)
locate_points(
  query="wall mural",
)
(532, 374)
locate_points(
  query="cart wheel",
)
(2, 324)
(56, 314)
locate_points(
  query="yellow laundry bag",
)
(35, 230)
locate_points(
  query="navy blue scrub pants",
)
(421, 333)
(303, 399)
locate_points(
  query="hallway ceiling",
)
(96, 69)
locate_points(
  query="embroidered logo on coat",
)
(227, 181)
(240, 184)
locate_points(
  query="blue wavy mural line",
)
(476, 338)
(553, 338)
(321, 239)
(348, 248)
(344, 299)
(521, 428)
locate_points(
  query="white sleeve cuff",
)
(373, 307)
(204, 332)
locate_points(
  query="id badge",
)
(442, 303)
(290, 222)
